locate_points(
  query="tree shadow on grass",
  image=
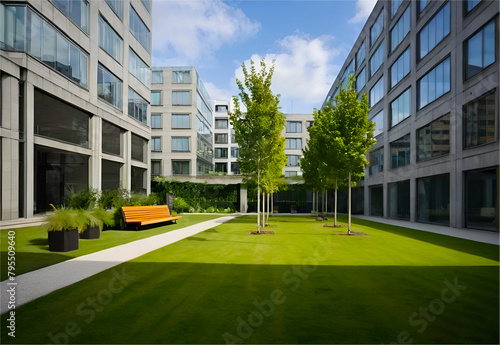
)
(189, 302)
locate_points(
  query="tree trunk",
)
(349, 207)
(313, 195)
(268, 198)
(258, 195)
(335, 212)
(326, 202)
(272, 204)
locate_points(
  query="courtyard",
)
(305, 284)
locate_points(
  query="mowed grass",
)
(32, 246)
(302, 285)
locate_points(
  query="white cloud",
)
(304, 71)
(217, 93)
(363, 10)
(187, 31)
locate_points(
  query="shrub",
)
(211, 209)
(83, 199)
(181, 206)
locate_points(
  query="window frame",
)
(466, 46)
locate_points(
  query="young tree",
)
(354, 137)
(258, 129)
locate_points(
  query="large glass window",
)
(377, 59)
(235, 168)
(479, 120)
(110, 175)
(433, 200)
(480, 50)
(345, 77)
(24, 30)
(294, 127)
(138, 68)
(155, 168)
(433, 140)
(147, 4)
(220, 138)
(139, 29)
(76, 10)
(395, 4)
(117, 7)
(377, 28)
(156, 98)
(156, 120)
(137, 106)
(109, 87)
(470, 4)
(481, 199)
(377, 201)
(378, 119)
(401, 67)
(434, 32)
(360, 56)
(57, 175)
(221, 167)
(181, 121)
(109, 40)
(220, 152)
(235, 152)
(377, 92)
(139, 148)
(112, 142)
(293, 143)
(361, 80)
(60, 121)
(434, 84)
(421, 5)
(293, 160)
(376, 161)
(401, 29)
(156, 144)
(180, 144)
(399, 200)
(401, 108)
(221, 123)
(181, 75)
(157, 77)
(180, 167)
(400, 152)
(204, 109)
(138, 178)
(181, 98)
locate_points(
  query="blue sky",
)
(308, 39)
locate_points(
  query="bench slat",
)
(147, 214)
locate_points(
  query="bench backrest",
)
(133, 214)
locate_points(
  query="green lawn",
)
(301, 285)
(32, 246)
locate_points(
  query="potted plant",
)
(62, 226)
(96, 219)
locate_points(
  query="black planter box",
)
(91, 233)
(63, 241)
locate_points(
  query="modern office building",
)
(296, 136)
(74, 100)
(181, 123)
(226, 148)
(226, 151)
(431, 72)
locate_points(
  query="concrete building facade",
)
(431, 73)
(296, 136)
(226, 151)
(181, 123)
(74, 100)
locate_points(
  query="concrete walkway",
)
(35, 284)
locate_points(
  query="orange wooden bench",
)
(144, 215)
